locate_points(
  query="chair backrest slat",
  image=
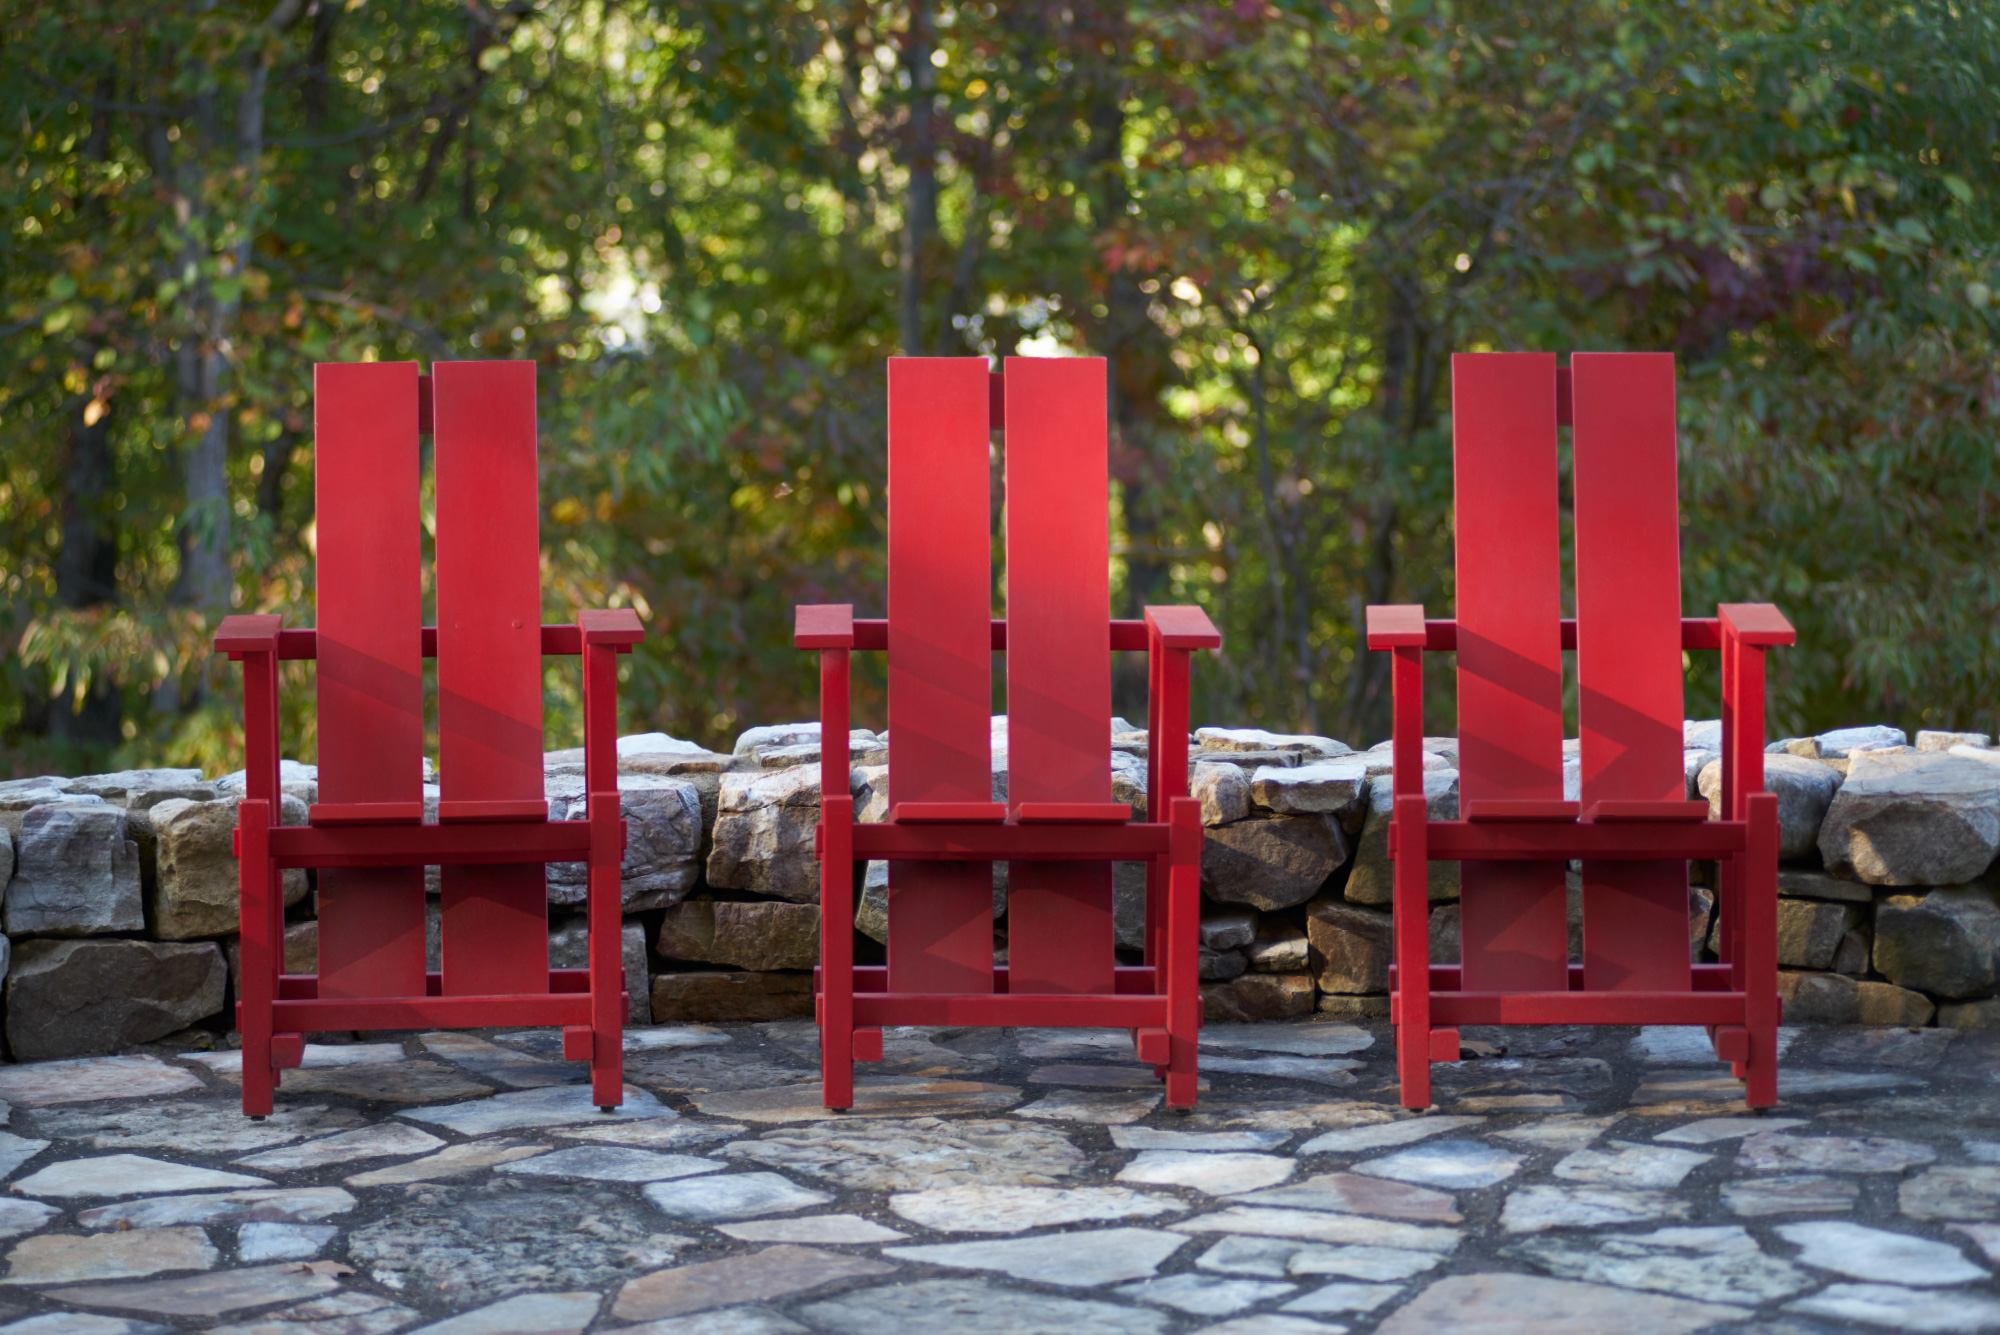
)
(1513, 929)
(1628, 654)
(1059, 928)
(940, 660)
(369, 676)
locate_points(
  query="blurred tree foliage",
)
(709, 222)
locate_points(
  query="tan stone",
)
(1351, 946)
(1887, 1004)
(1339, 1007)
(194, 889)
(63, 1258)
(1258, 996)
(680, 997)
(761, 934)
(1818, 998)
(1967, 1015)
(752, 1277)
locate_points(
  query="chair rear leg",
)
(1759, 883)
(1411, 927)
(262, 946)
(1184, 955)
(607, 973)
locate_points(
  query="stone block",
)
(569, 948)
(1256, 739)
(80, 998)
(1224, 792)
(1804, 789)
(1819, 998)
(1337, 788)
(1856, 947)
(1945, 943)
(1337, 1007)
(1221, 965)
(1913, 818)
(760, 934)
(1227, 931)
(1445, 749)
(1128, 902)
(1797, 883)
(301, 952)
(1843, 742)
(720, 997)
(1258, 996)
(20, 796)
(1351, 946)
(196, 883)
(1885, 1004)
(1271, 862)
(1280, 947)
(1447, 941)
(663, 831)
(76, 873)
(1810, 931)
(6, 857)
(295, 779)
(1969, 1015)
(1371, 881)
(764, 833)
(1931, 739)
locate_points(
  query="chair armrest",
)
(255, 633)
(1396, 626)
(616, 626)
(1184, 627)
(824, 626)
(1757, 623)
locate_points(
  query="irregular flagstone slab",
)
(657, 1134)
(1803, 1193)
(1273, 1323)
(1533, 1209)
(1104, 1256)
(350, 1312)
(754, 1277)
(974, 1307)
(1797, 1084)
(872, 1155)
(87, 1079)
(755, 1320)
(405, 1082)
(1101, 1107)
(17, 1150)
(1352, 1193)
(1630, 1165)
(18, 1217)
(1311, 1038)
(452, 1161)
(1889, 1047)
(646, 1038)
(707, 1071)
(1372, 1263)
(1217, 1174)
(814, 1230)
(1344, 1297)
(1457, 1164)
(503, 1066)
(63, 1258)
(285, 1205)
(1504, 1304)
(454, 1245)
(1516, 1103)
(205, 1295)
(282, 1242)
(1319, 1071)
(1969, 1191)
(1095, 1077)
(1042, 1044)
(1382, 1135)
(192, 1128)
(872, 1098)
(317, 1057)
(615, 1163)
(1240, 1254)
(127, 1175)
(1005, 1209)
(82, 1323)
(1560, 1133)
(1721, 1265)
(732, 1196)
(1915, 1310)
(385, 1140)
(529, 1314)
(1712, 1129)
(1986, 1235)
(1687, 1044)
(1205, 1295)
(1877, 1254)
(1232, 1111)
(559, 1106)
(1776, 1152)
(1154, 1138)
(1321, 1226)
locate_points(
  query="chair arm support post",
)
(600, 720)
(834, 777)
(253, 641)
(1406, 748)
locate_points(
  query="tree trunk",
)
(920, 200)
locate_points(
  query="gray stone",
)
(1810, 931)
(18, 1217)
(24, 795)
(1453, 1164)
(529, 1314)
(1217, 1174)
(348, 1312)
(1344, 1297)
(1352, 1193)
(1352, 946)
(1566, 1131)
(1221, 965)
(1280, 947)
(1256, 739)
(1308, 1038)
(1101, 1108)
(979, 1208)
(294, 780)
(1710, 1130)
(1915, 1311)
(1958, 1191)
(1160, 1138)
(1799, 883)
(755, 935)
(1205, 1295)
(76, 873)
(1371, 879)
(1322, 1226)
(1915, 819)
(1931, 739)
(1777, 1152)
(1945, 942)
(1271, 862)
(1223, 790)
(873, 1097)
(614, 1163)
(1320, 1070)
(502, 1065)
(1804, 789)
(1539, 1208)
(559, 1106)
(732, 1196)
(910, 1155)
(196, 885)
(1877, 1254)
(126, 1175)
(1819, 998)
(57, 1258)
(1508, 1304)
(717, 996)
(207, 1295)
(191, 1127)
(1337, 788)
(452, 1161)
(6, 856)
(764, 834)
(1226, 931)
(1630, 1165)
(87, 1079)
(1114, 1254)
(69, 998)
(1722, 1264)
(1803, 1193)
(569, 948)
(1843, 742)
(663, 834)
(971, 1307)
(814, 1230)
(775, 1272)
(1383, 1135)
(261, 1241)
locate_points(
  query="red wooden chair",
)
(1059, 829)
(1633, 830)
(367, 833)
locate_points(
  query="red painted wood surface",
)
(940, 659)
(1514, 926)
(370, 674)
(489, 667)
(1628, 665)
(1059, 933)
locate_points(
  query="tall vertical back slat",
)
(489, 667)
(369, 675)
(1514, 923)
(940, 664)
(1628, 607)
(1059, 927)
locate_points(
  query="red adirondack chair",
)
(1634, 829)
(367, 833)
(1059, 830)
